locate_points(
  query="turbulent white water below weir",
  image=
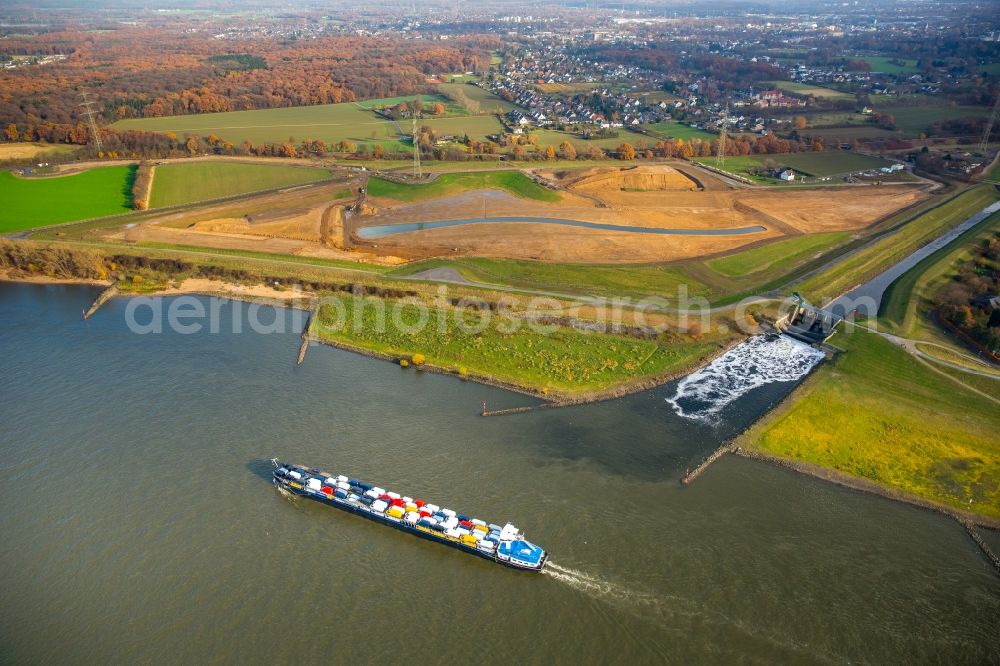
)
(748, 365)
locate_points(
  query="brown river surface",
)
(139, 524)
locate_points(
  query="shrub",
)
(418, 359)
(403, 363)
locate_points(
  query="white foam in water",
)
(748, 365)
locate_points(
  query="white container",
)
(393, 495)
(476, 521)
(462, 531)
(371, 493)
(314, 484)
(450, 522)
(329, 481)
(412, 518)
(343, 485)
(408, 500)
(452, 532)
(342, 479)
(433, 508)
(295, 475)
(378, 491)
(488, 546)
(379, 505)
(448, 512)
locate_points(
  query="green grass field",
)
(328, 122)
(742, 166)
(563, 362)
(882, 65)
(915, 119)
(477, 127)
(353, 122)
(820, 165)
(636, 281)
(830, 163)
(833, 135)
(867, 414)
(488, 102)
(180, 183)
(681, 131)
(38, 202)
(547, 137)
(869, 261)
(774, 256)
(807, 90)
(514, 182)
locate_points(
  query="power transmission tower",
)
(89, 112)
(984, 144)
(720, 158)
(416, 149)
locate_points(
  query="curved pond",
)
(382, 230)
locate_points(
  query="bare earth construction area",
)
(524, 215)
(660, 197)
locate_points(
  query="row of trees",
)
(141, 186)
(964, 301)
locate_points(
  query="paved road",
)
(868, 297)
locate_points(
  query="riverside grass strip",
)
(866, 414)
(862, 265)
(557, 361)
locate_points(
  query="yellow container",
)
(469, 540)
(481, 528)
(412, 507)
(395, 512)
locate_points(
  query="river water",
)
(382, 230)
(139, 525)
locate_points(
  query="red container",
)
(419, 503)
(466, 524)
(398, 502)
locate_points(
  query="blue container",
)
(366, 486)
(462, 516)
(342, 494)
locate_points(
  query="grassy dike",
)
(503, 348)
(877, 414)
(869, 261)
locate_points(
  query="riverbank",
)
(549, 397)
(188, 286)
(877, 416)
(557, 363)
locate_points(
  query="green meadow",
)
(181, 183)
(867, 414)
(561, 362)
(514, 182)
(38, 202)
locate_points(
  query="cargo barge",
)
(504, 545)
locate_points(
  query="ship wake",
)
(749, 365)
(604, 590)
